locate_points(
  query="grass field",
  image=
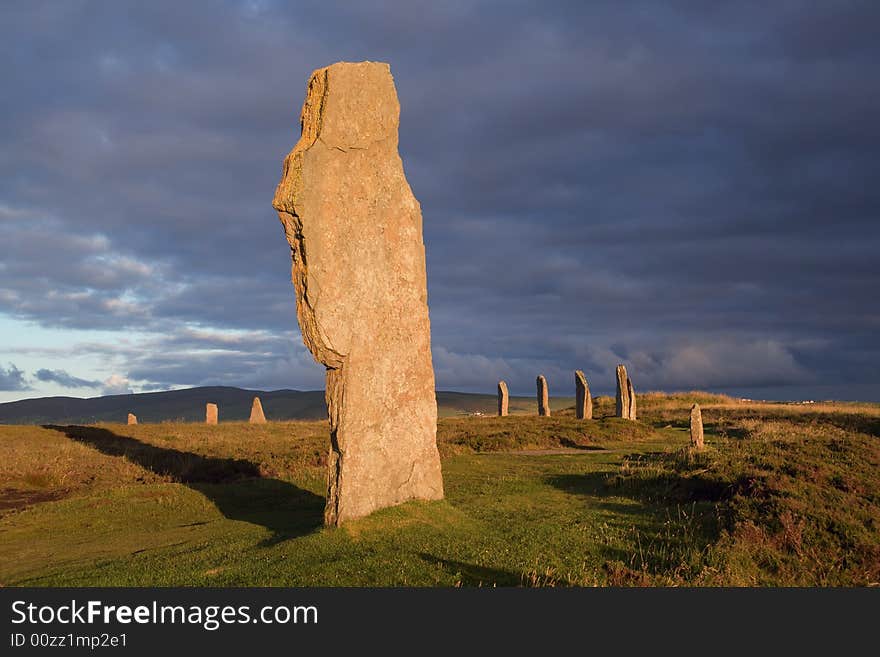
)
(782, 495)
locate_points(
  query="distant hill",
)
(182, 405)
(234, 404)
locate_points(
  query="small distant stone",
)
(543, 397)
(583, 402)
(632, 398)
(625, 406)
(696, 427)
(503, 398)
(211, 414)
(621, 407)
(257, 416)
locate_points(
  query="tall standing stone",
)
(132, 418)
(622, 402)
(503, 398)
(355, 234)
(631, 394)
(583, 402)
(211, 413)
(696, 427)
(257, 416)
(543, 397)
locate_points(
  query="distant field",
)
(783, 495)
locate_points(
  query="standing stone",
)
(696, 427)
(622, 405)
(211, 413)
(543, 397)
(631, 393)
(583, 402)
(355, 235)
(503, 398)
(257, 416)
(132, 418)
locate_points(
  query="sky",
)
(687, 188)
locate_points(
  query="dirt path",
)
(12, 499)
(555, 451)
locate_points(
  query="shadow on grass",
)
(673, 423)
(235, 486)
(851, 422)
(663, 489)
(472, 574)
(725, 431)
(711, 428)
(664, 515)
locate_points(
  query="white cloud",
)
(117, 384)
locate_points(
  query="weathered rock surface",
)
(583, 402)
(355, 234)
(625, 406)
(622, 403)
(503, 398)
(543, 397)
(257, 416)
(211, 414)
(696, 427)
(132, 418)
(631, 393)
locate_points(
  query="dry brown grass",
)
(54, 462)
(38, 459)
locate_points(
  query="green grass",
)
(780, 496)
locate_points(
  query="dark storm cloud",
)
(688, 188)
(66, 380)
(12, 378)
